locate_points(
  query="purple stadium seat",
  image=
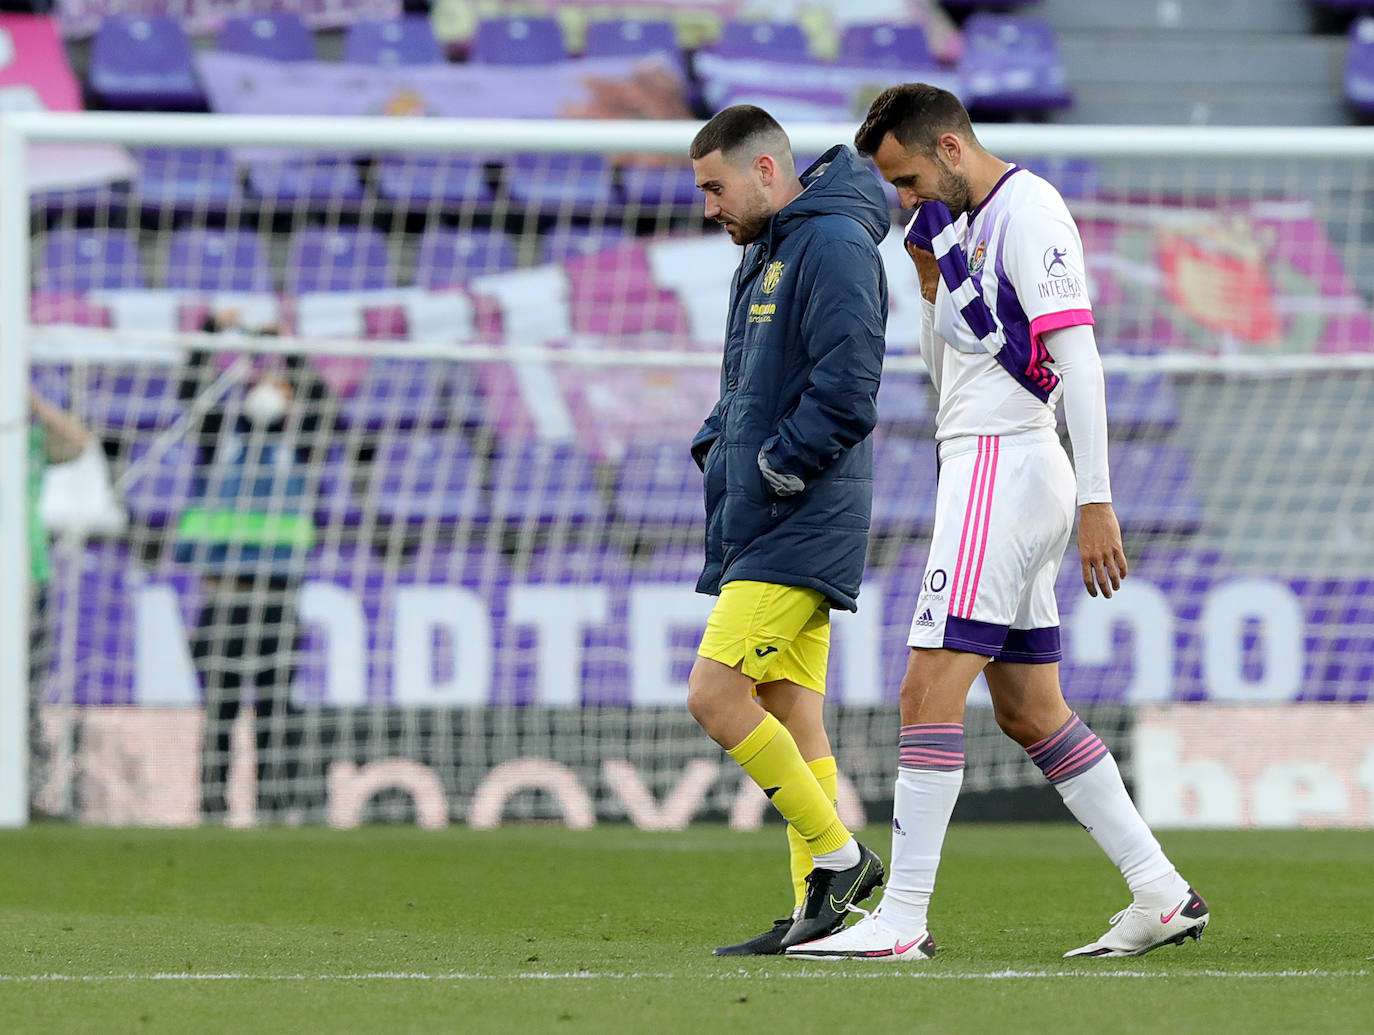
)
(1012, 64)
(52, 381)
(654, 186)
(1359, 66)
(161, 488)
(545, 483)
(770, 41)
(1141, 404)
(405, 41)
(399, 393)
(629, 37)
(144, 63)
(90, 260)
(353, 259)
(579, 182)
(195, 179)
(213, 260)
(123, 398)
(905, 401)
(422, 179)
(886, 46)
(1072, 176)
(1152, 484)
(281, 37)
(323, 179)
(517, 41)
(660, 485)
(904, 473)
(568, 242)
(451, 257)
(426, 476)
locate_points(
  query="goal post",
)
(484, 605)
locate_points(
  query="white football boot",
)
(1138, 929)
(872, 938)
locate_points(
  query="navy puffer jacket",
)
(803, 355)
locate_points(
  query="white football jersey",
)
(1025, 260)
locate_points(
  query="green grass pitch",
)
(532, 928)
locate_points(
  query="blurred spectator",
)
(258, 471)
(55, 437)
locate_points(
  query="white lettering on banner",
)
(678, 807)
(340, 613)
(1145, 611)
(462, 617)
(1172, 792)
(655, 611)
(560, 615)
(1292, 794)
(351, 788)
(1225, 614)
(1224, 765)
(525, 774)
(163, 673)
(858, 646)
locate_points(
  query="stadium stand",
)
(590, 251)
(406, 41)
(144, 63)
(280, 37)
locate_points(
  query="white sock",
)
(1098, 800)
(922, 804)
(839, 859)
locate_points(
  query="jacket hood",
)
(837, 183)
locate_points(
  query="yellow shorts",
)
(780, 632)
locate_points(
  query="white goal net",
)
(403, 525)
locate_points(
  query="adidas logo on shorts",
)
(925, 618)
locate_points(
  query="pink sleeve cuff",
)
(1042, 325)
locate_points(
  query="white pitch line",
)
(922, 975)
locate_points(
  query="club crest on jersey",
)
(772, 276)
(980, 256)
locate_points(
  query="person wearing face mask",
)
(248, 533)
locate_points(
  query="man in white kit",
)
(1006, 331)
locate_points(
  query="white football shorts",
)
(1003, 513)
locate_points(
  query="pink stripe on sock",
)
(1041, 746)
(1080, 757)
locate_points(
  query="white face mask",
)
(265, 403)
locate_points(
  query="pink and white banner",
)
(35, 76)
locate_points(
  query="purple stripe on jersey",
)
(938, 746)
(1022, 356)
(1070, 750)
(1032, 646)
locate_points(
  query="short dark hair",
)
(915, 114)
(733, 127)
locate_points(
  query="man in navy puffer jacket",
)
(788, 464)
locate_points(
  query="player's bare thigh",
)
(1027, 700)
(800, 710)
(936, 684)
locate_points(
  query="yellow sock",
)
(770, 756)
(828, 776)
